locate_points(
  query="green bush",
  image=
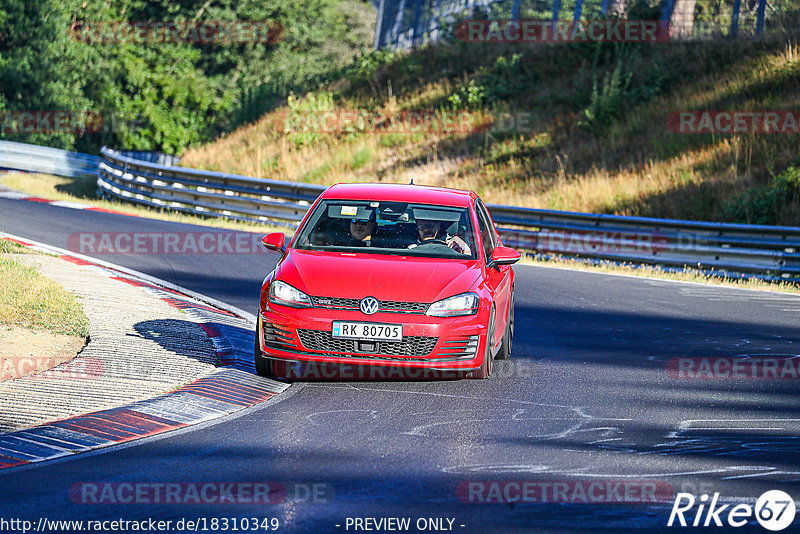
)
(763, 205)
(469, 96)
(607, 100)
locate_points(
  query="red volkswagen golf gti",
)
(407, 279)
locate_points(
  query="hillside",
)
(595, 138)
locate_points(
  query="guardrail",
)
(34, 158)
(204, 192)
(766, 252)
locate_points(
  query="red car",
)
(408, 279)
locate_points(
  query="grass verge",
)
(9, 247)
(30, 300)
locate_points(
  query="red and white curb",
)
(231, 388)
(17, 195)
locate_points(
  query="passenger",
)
(362, 230)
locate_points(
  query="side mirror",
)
(504, 256)
(274, 242)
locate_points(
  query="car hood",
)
(385, 277)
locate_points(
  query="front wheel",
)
(486, 368)
(508, 338)
(263, 365)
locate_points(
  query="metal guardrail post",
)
(556, 9)
(762, 7)
(576, 15)
(735, 18)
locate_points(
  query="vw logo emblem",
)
(369, 305)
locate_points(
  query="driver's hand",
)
(458, 244)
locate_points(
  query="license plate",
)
(367, 331)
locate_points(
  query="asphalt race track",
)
(585, 398)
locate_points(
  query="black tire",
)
(508, 338)
(263, 365)
(486, 369)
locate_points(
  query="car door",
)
(497, 278)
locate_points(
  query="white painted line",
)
(733, 424)
(735, 428)
(704, 285)
(16, 195)
(70, 204)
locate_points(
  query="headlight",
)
(283, 293)
(463, 304)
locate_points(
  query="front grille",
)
(335, 303)
(394, 306)
(405, 307)
(322, 340)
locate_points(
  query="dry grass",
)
(30, 300)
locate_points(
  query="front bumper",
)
(303, 336)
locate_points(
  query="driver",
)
(428, 231)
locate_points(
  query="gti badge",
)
(369, 305)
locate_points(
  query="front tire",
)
(508, 338)
(486, 369)
(263, 365)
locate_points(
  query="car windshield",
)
(400, 228)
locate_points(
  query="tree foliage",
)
(163, 95)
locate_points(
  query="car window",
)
(487, 236)
(389, 228)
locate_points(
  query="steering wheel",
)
(438, 241)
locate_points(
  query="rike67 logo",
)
(774, 510)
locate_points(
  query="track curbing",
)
(232, 387)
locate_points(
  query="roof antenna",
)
(411, 182)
